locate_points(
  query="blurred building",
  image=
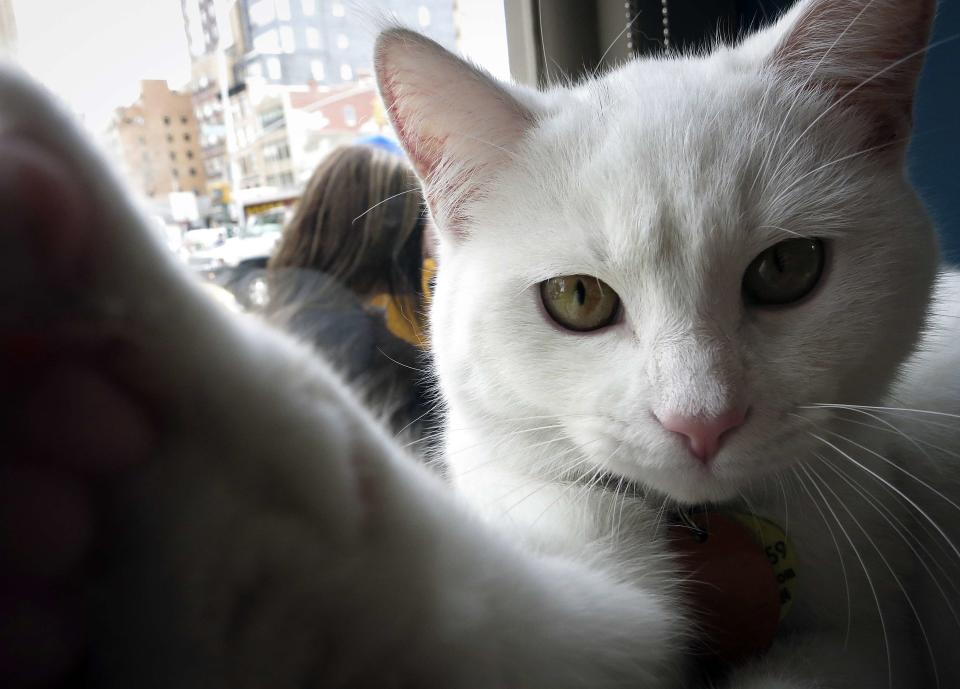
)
(328, 41)
(157, 141)
(283, 132)
(299, 81)
(8, 28)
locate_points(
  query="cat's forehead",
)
(649, 156)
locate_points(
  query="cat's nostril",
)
(704, 433)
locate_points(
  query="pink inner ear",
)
(866, 53)
(456, 123)
(424, 151)
(871, 46)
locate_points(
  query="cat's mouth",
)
(671, 471)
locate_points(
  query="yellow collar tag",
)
(779, 554)
(741, 581)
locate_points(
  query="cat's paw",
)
(164, 466)
(69, 426)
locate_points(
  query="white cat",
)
(680, 276)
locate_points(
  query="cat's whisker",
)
(389, 198)
(906, 472)
(866, 571)
(925, 443)
(897, 525)
(599, 472)
(878, 408)
(564, 491)
(781, 229)
(899, 492)
(922, 523)
(629, 26)
(836, 544)
(786, 507)
(893, 428)
(893, 574)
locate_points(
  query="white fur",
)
(280, 539)
(664, 179)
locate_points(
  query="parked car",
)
(239, 263)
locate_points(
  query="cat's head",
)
(673, 260)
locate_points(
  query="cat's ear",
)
(457, 124)
(866, 53)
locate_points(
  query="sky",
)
(93, 53)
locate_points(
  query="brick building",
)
(157, 142)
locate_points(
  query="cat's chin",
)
(691, 485)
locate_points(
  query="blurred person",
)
(347, 276)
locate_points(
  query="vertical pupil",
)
(779, 259)
(581, 293)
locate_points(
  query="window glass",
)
(423, 16)
(346, 72)
(309, 7)
(273, 68)
(349, 115)
(262, 12)
(287, 43)
(267, 42)
(313, 38)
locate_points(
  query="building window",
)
(268, 42)
(273, 68)
(346, 72)
(175, 172)
(342, 41)
(338, 9)
(271, 116)
(309, 7)
(173, 155)
(287, 43)
(313, 39)
(423, 15)
(317, 70)
(283, 9)
(255, 70)
(193, 172)
(183, 119)
(166, 120)
(189, 155)
(143, 141)
(350, 115)
(186, 137)
(262, 12)
(169, 138)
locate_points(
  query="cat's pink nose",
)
(704, 433)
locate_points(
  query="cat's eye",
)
(784, 273)
(579, 302)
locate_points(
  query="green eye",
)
(784, 273)
(579, 302)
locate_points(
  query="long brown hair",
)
(360, 220)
